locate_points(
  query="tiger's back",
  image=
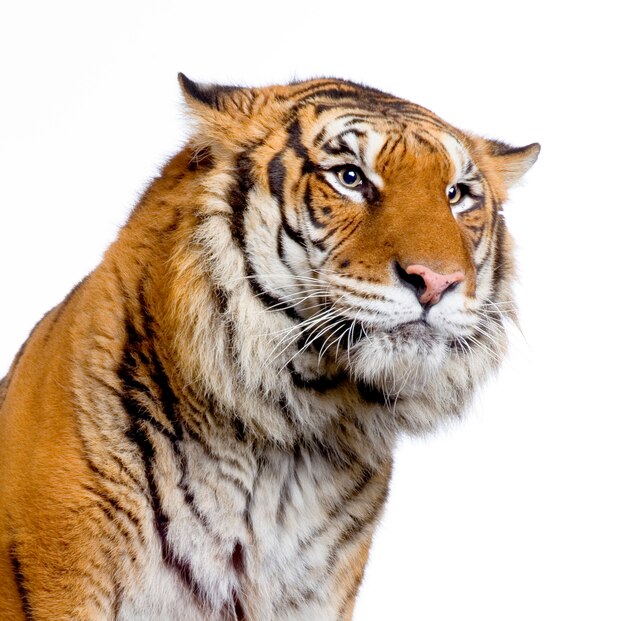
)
(203, 428)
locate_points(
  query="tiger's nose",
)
(428, 285)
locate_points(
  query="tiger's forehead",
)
(365, 138)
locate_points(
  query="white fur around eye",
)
(458, 155)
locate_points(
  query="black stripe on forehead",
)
(307, 90)
(332, 94)
(426, 139)
(294, 131)
(346, 128)
(337, 144)
(390, 145)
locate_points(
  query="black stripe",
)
(319, 244)
(268, 299)
(295, 236)
(388, 148)
(139, 350)
(239, 612)
(500, 261)
(239, 428)
(238, 200)
(20, 582)
(295, 141)
(335, 93)
(319, 384)
(479, 203)
(284, 498)
(167, 400)
(139, 435)
(341, 148)
(307, 202)
(345, 238)
(280, 248)
(276, 174)
(110, 506)
(304, 89)
(370, 394)
(118, 594)
(238, 197)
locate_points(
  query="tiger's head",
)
(367, 230)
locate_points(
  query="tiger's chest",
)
(237, 536)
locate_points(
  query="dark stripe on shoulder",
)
(180, 566)
(142, 361)
(20, 582)
(295, 141)
(276, 174)
(238, 197)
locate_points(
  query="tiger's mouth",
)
(418, 334)
(418, 331)
(350, 326)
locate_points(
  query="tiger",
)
(204, 428)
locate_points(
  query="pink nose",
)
(435, 285)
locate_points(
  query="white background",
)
(518, 512)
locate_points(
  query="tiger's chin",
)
(403, 361)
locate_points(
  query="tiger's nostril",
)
(427, 284)
(415, 282)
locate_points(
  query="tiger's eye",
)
(454, 194)
(350, 176)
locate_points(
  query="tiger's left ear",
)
(511, 163)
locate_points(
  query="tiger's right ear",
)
(223, 115)
(233, 99)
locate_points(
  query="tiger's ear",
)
(511, 163)
(223, 115)
(225, 99)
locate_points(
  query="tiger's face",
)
(373, 224)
